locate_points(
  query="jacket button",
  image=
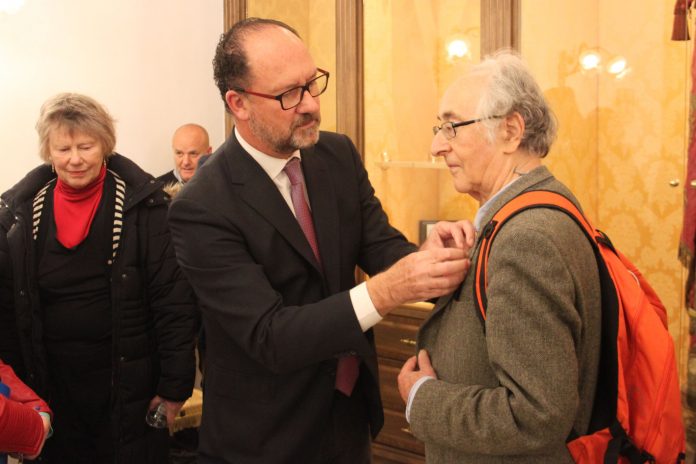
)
(21, 293)
(151, 201)
(124, 276)
(122, 359)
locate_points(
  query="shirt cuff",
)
(412, 394)
(364, 309)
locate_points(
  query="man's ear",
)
(237, 105)
(512, 131)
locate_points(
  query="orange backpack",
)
(636, 415)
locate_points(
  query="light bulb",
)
(457, 48)
(590, 60)
(617, 65)
(10, 6)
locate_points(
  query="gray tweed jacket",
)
(512, 393)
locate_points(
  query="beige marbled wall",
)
(621, 140)
(406, 71)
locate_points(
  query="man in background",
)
(189, 142)
(190, 146)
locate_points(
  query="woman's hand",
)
(173, 408)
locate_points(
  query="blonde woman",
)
(95, 314)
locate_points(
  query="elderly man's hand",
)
(413, 369)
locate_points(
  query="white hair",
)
(511, 88)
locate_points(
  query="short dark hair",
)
(230, 65)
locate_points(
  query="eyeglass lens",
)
(315, 87)
(447, 130)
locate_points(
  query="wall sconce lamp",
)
(459, 45)
(10, 6)
(618, 66)
(593, 59)
(589, 60)
(458, 48)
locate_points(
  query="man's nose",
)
(308, 103)
(440, 145)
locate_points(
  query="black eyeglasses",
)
(291, 98)
(449, 128)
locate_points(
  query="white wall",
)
(148, 61)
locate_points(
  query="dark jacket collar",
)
(139, 184)
(529, 181)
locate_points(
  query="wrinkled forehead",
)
(461, 99)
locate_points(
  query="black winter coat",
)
(154, 318)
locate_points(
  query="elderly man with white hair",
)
(513, 387)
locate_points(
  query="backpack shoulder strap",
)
(527, 200)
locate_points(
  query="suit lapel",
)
(323, 202)
(261, 194)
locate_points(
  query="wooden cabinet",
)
(395, 337)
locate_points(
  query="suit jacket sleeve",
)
(254, 286)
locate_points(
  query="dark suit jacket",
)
(275, 324)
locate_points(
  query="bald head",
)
(188, 143)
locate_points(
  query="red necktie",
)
(348, 366)
(302, 212)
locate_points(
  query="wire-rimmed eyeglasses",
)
(291, 98)
(449, 128)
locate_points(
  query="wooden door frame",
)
(500, 25)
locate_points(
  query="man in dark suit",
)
(291, 371)
(189, 142)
